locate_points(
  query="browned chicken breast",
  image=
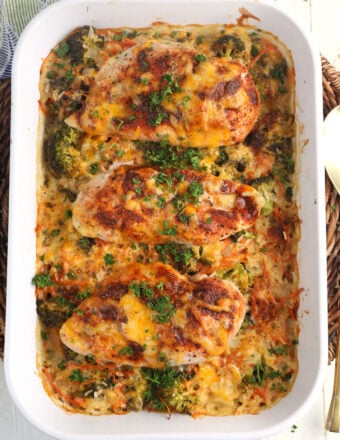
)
(151, 315)
(149, 205)
(158, 89)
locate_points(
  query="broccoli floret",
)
(178, 397)
(61, 151)
(76, 45)
(228, 45)
(166, 390)
(53, 312)
(73, 47)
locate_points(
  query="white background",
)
(322, 17)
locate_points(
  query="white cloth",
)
(14, 16)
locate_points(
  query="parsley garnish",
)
(109, 260)
(42, 280)
(157, 97)
(280, 349)
(168, 230)
(62, 50)
(161, 304)
(200, 57)
(180, 254)
(85, 243)
(195, 190)
(166, 156)
(84, 294)
(159, 119)
(164, 308)
(141, 289)
(262, 372)
(94, 168)
(126, 350)
(76, 376)
(157, 380)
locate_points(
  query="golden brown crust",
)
(150, 205)
(155, 90)
(192, 320)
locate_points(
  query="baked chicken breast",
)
(148, 205)
(166, 89)
(151, 315)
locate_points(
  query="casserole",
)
(20, 342)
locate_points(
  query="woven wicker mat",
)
(331, 97)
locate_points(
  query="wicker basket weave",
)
(331, 98)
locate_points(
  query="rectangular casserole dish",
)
(20, 352)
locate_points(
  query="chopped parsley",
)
(158, 381)
(167, 229)
(200, 57)
(262, 372)
(158, 115)
(62, 50)
(159, 119)
(94, 168)
(85, 243)
(126, 351)
(84, 294)
(161, 304)
(179, 253)
(164, 308)
(109, 259)
(42, 280)
(62, 365)
(166, 156)
(71, 275)
(141, 289)
(280, 349)
(76, 376)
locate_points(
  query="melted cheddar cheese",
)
(167, 225)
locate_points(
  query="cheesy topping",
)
(167, 225)
(192, 321)
(148, 205)
(158, 89)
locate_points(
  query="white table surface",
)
(322, 17)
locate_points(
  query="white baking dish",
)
(20, 353)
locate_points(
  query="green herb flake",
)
(76, 376)
(168, 230)
(117, 37)
(68, 214)
(94, 168)
(83, 295)
(141, 290)
(42, 280)
(164, 308)
(200, 57)
(62, 50)
(62, 365)
(71, 275)
(185, 100)
(43, 335)
(109, 259)
(126, 351)
(69, 75)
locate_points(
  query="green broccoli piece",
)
(178, 397)
(53, 312)
(165, 390)
(61, 151)
(228, 45)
